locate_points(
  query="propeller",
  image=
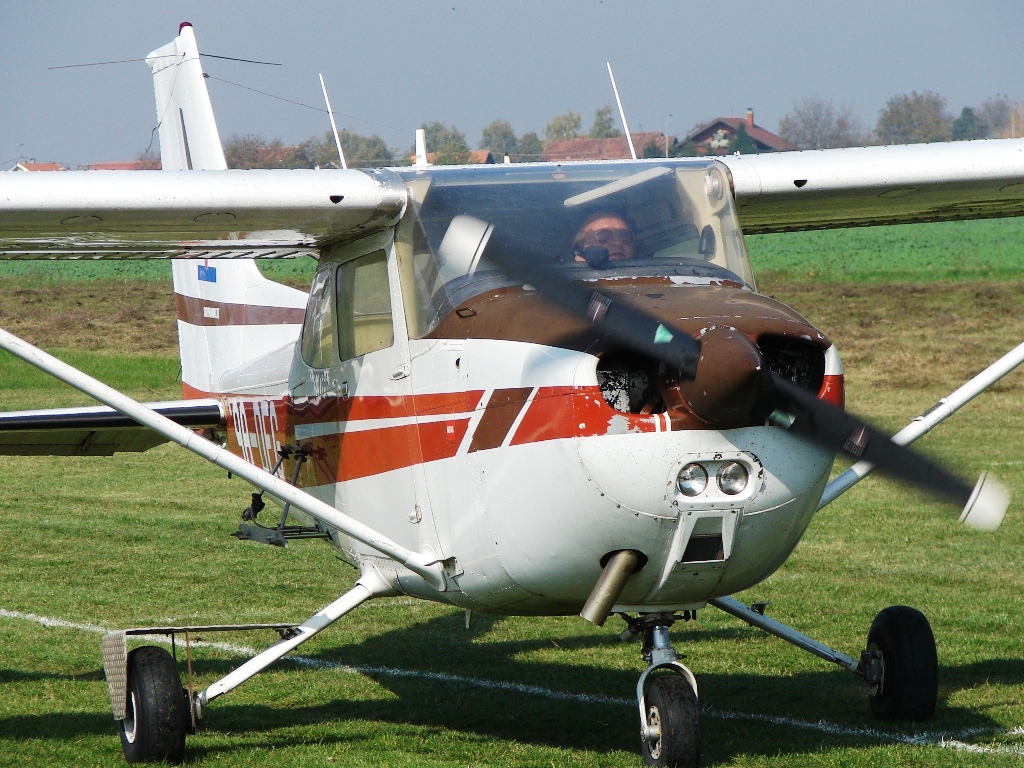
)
(786, 404)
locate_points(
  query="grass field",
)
(106, 543)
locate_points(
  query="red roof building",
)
(125, 165)
(605, 149)
(32, 165)
(716, 137)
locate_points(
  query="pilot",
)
(604, 236)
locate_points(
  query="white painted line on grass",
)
(945, 740)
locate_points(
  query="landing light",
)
(692, 480)
(732, 478)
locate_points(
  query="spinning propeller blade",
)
(791, 406)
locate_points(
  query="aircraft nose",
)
(729, 383)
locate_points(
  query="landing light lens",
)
(732, 478)
(692, 480)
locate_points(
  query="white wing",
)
(818, 189)
(193, 214)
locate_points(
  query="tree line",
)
(446, 143)
(907, 118)
(812, 123)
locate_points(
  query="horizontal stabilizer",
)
(96, 430)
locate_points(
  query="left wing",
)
(192, 214)
(97, 430)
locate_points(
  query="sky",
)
(391, 65)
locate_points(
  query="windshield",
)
(670, 219)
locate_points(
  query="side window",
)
(318, 325)
(364, 306)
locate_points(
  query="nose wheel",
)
(669, 720)
(673, 734)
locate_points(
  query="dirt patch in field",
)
(103, 316)
(914, 336)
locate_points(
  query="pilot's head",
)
(605, 229)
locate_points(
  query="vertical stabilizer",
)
(188, 130)
(229, 315)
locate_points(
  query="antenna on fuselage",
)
(334, 127)
(622, 114)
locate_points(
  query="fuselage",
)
(461, 413)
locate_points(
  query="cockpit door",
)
(353, 398)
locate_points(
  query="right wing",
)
(863, 186)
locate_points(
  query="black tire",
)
(910, 666)
(153, 730)
(672, 704)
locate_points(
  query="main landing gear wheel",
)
(156, 713)
(901, 639)
(672, 714)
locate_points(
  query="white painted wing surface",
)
(860, 186)
(191, 214)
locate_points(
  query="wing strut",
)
(422, 564)
(923, 424)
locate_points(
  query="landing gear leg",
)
(669, 722)
(899, 668)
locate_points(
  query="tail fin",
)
(188, 130)
(229, 315)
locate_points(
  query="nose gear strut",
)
(669, 721)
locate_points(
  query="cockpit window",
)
(672, 219)
(317, 328)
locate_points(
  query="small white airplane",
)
(538, 389)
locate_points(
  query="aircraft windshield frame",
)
(655, 218)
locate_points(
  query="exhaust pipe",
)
(621, 565)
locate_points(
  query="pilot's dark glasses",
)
(607, 236)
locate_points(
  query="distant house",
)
(125, 165)
(716, 137)
(32, 165)
(476, 157)
(605, 149)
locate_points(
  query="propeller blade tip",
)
(987, 505)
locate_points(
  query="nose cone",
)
(729, 382)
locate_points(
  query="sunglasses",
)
(607, 236)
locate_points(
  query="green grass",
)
(283, 270)
(958, 250)
(968, 250)
(134, 540)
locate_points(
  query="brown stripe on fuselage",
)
(205, 312)
(514, 314)
(502, 410)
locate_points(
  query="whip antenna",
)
(622, 114)
(334, 127)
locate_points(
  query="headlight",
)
(692, 480)
(732, 477)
